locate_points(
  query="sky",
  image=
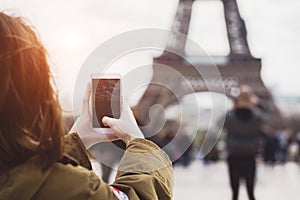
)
(71, 30)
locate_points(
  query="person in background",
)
(37, 161)
(243, 125)
(283, 145)
(270, 144)
(298, 142)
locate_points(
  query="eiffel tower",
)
(237, 68)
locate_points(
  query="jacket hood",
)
(18, 183)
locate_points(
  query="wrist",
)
(127, 138)
(86, 141)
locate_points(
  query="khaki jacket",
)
(145, 172)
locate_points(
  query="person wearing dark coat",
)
(243, 125)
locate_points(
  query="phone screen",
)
(106, 100)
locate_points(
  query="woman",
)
(36, 160)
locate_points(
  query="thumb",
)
(108, 121)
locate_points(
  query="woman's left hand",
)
(83, 125)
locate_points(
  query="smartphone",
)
(106, 97)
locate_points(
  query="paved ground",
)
(210, 182)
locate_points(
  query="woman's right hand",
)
(83, 125)
(125, 127)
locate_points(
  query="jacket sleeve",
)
(75, 152)
(145, 172)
